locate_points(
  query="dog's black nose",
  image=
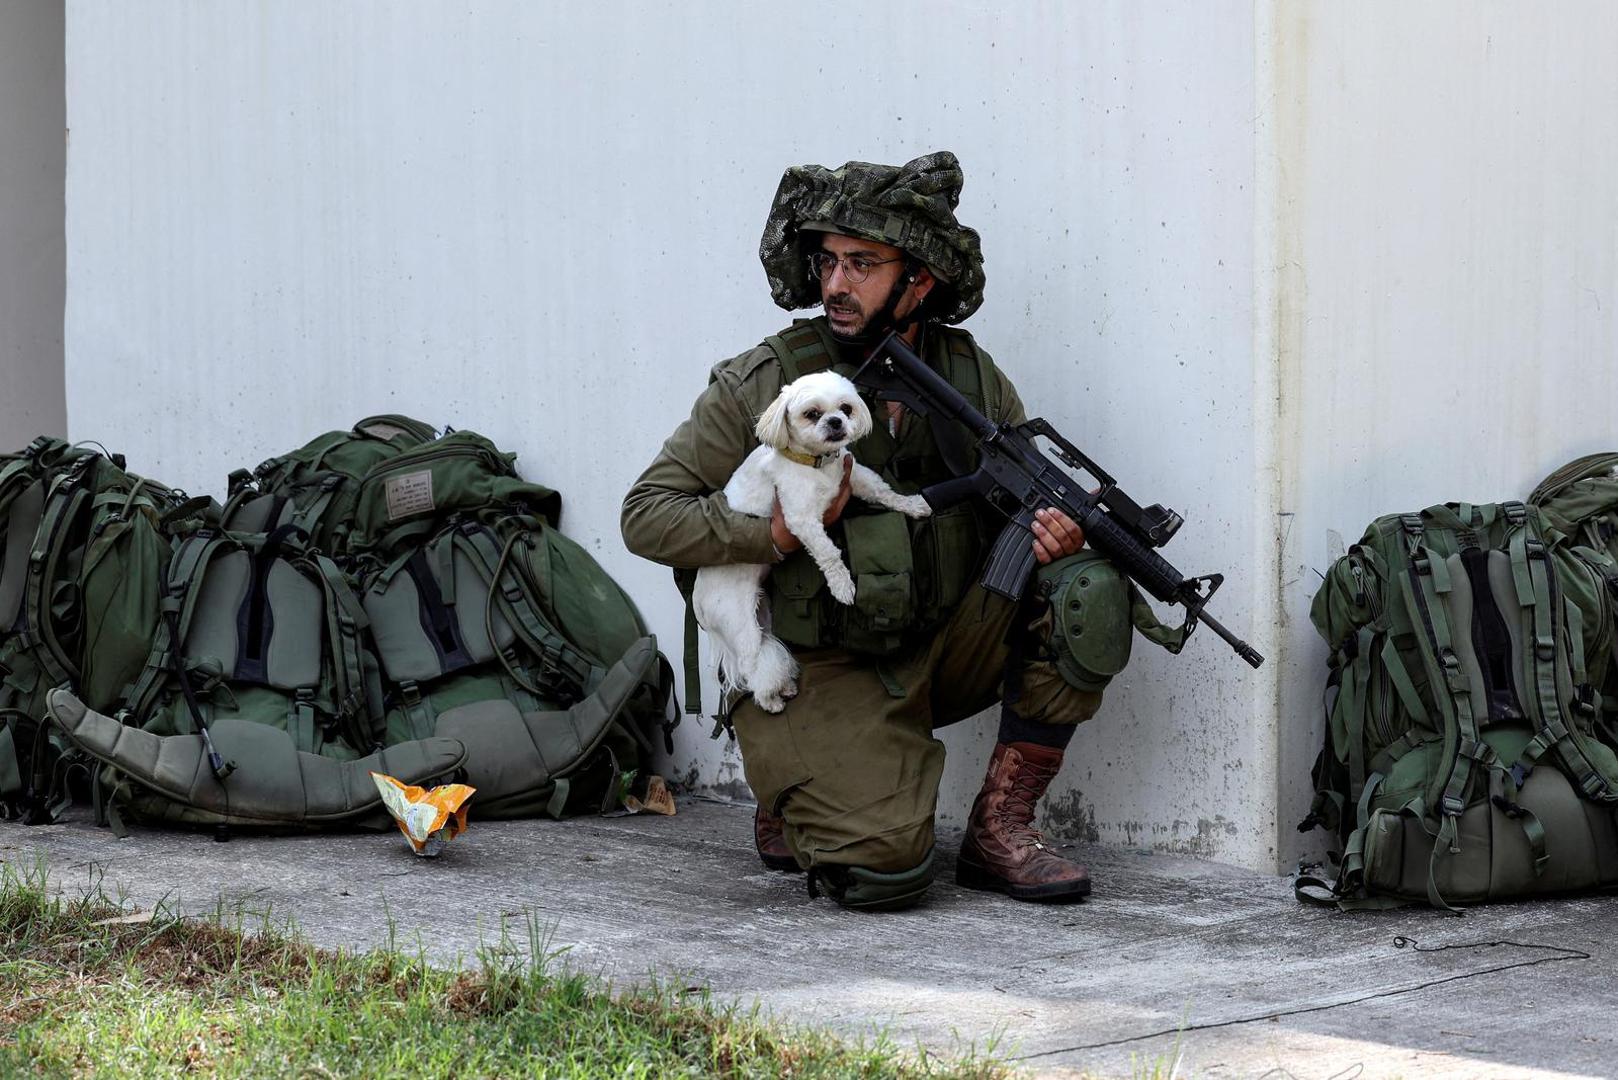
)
(834, 423)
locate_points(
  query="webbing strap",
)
(418, 711)
(1362, 809)
(345, 618)
(1352, 701)
(443, 552)
(1543, 656)
(1383, 762)
(558, 800)
(693, 662)
(553, 650)
(1447, 842)
(1526, 819)
(306, 518)
(1430, 577)
(1403, 685)
(1574, 621)
(43, 560)
(193, 552)
(301, 721)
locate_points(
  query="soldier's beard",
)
(848, 307)
(868, 328)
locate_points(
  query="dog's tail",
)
(730, 672)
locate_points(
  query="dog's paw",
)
(771, 703)
(790, 690)
(915, 506)
(842, 588)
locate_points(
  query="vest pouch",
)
(947, 545)
(882, 562)
(795, 601)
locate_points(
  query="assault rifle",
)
(1018, 479)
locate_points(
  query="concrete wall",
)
(32, 150)
(528, 220)
(1446, 237)
(1244, 255)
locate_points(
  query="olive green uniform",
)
(852, 765)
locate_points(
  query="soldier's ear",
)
(922, 282)
(774, 426)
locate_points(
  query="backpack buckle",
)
(1545, 648)
(1535, 548)
(1584, 700)
(410, 692)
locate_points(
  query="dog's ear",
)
(774, 427)
(860, 421)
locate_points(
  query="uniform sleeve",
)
(676, 513)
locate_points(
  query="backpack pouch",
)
(1496, 858)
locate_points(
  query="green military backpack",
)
(258, 703)
(315, 486)
(1463, 759)
(84, 543)
(497, 630)
(256, 687)
(1581, 501)
(260, 626)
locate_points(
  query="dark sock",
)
(1014, 728)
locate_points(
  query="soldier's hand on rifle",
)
(782, 536)
(1055, 535)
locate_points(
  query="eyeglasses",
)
(856, 268)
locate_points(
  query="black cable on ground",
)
(1399, 942)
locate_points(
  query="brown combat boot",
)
(1002, 851)
(769, 839)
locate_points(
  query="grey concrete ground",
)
(1255, 984)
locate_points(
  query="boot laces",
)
(1016, 813)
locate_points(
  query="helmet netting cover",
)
(910, 207)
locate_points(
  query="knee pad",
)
(1090, 627)
(859, 889)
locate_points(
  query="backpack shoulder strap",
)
(345, 621)
(190, 556)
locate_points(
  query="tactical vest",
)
(909, 574)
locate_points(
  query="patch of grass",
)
(86, 989)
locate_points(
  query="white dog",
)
(804, 436)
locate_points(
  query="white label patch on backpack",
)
(385, 432)
(410, 494)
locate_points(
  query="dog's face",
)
(815, 414)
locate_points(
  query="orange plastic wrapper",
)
(428, 819)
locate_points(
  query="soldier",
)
(847, 776)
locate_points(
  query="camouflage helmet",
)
(911, 208)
